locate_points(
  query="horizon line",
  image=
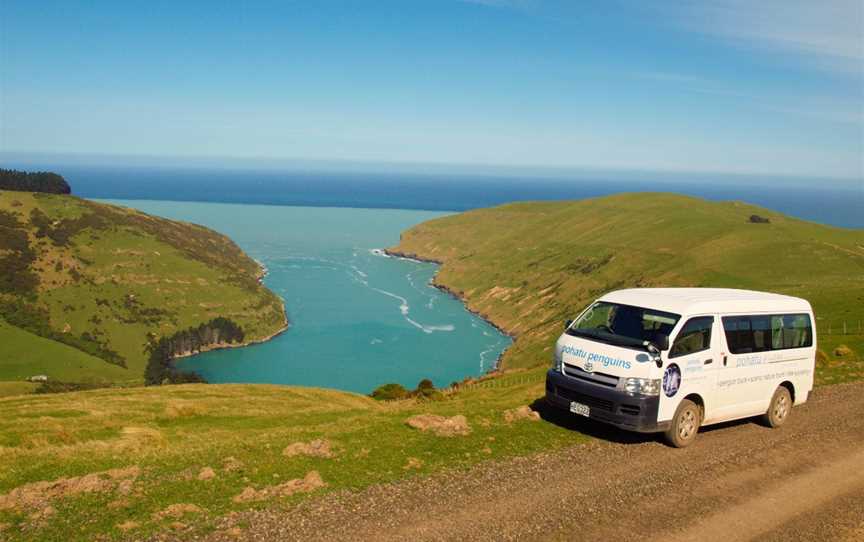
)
(344, 165)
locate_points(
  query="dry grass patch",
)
(128, 525)
(136, 439)
(184, 409)
(309, 483)
(177, 511)
(316, 448)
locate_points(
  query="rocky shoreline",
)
(260, 276)
(225, 346)
(455, 295)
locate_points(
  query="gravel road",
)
(738, 481)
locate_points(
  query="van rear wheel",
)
(779, 409)
(685, 424)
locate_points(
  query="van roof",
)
(686, 301)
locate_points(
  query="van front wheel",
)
(685, 424)
(779, 409)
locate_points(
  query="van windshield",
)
(623, 325)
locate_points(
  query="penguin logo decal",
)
(671, 380)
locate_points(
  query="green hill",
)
(529, 266)
(85, 287)
(152, 457)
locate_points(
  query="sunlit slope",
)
(529, 266)
(103, 279)
(25, 355)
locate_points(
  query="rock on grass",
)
(207, 473)
(38, 495)
(524, 412)
(310, 482)
(440, 425)
(842, 351)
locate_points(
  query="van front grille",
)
(595, 378)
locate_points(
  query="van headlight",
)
(640, 386)
(556, 361)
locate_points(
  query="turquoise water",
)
(358, 319)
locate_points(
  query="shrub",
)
(389, 392)
(425, 385)
(426, 390)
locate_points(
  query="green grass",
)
(530, 266)
(172, 432)
(25, 355)
(121, 276)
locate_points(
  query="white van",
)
(674, 359)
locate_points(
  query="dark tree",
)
(160, 366)
(40, 181)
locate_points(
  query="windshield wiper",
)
(606, 337)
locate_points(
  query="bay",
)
(359, 319)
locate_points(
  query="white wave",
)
(405, 308)
(446, 327)
(376, 341)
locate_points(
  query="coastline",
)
(226, 346)
(393, 253)
(286, 324)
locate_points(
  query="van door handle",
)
(709, 361)
(724, 361)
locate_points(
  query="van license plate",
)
(579, 408)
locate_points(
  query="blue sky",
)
(770, 87)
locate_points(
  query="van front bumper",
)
(607, 405)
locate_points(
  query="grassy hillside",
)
(161, 438)
(25, 354)
(529, 266)
(84, 286)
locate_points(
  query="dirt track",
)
(739, 481)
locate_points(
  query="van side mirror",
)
(567, 324)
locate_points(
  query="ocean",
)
(819, 200)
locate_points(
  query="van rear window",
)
(764, 332)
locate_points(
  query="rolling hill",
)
(529, 266)
(86, 287)
(180, 461)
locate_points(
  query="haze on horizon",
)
(769, 88)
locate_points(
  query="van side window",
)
(695, 336)
(760, 333)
